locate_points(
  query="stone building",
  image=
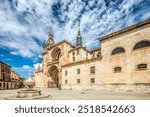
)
(122, 62)
(16, 80)
(9, 79)
(4, 76)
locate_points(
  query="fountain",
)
(29, 92)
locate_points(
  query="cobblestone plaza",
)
(55, 94)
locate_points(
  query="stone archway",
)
(54, 74)
(56, 52)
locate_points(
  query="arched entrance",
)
(54, 74)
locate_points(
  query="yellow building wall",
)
(105, 78)
(128, 60)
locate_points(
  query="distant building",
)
(16, 80)
(9, 79)
(5, 81)
(122, 62)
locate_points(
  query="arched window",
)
(98, 54)
(93, 55)
(73, 53)
(118, 50)
(56, 52)
(77, 51)
(117, 69)
(142, 67)
(86, 55)
(141, 44)
(73, 56)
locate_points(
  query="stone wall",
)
(104, 66)
(129, 88)
(39, 79)
(85, 75)
(128, 60)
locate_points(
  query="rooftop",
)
(5, 64)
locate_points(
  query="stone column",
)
(1, 87)
(60, 78)
(9, 85)
(12, 85)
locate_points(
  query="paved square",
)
(55, 94)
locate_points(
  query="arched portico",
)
(54, 74)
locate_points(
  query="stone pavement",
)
(55, 94)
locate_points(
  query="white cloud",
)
(24, 70)
(26, 67)
(37, 65)
(27, 25)
(19, 36)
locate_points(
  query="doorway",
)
(54, 74)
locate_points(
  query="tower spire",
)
(50, 37)
(79, 38)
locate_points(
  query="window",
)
(98, 54)
(3, 75)
(77, 52)
(78, 81)
(56, 52)
(141, 45)
(2, 69)
(66, 73)
(117, 69)
(78, 71)
(142, 66)
(92, 80)
(4, 84)
(66, 81)
(73, 53)
(93, 55)
(86, 55)
(93, 70)
(73, 58)
(118, 50)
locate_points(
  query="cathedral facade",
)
(122, 62)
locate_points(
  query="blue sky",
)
(25, 25)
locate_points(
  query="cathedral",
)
(121, 63)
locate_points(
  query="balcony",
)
(13, 79)
(7, 80)
(1, 79)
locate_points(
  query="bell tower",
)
(50, 39)
(79, 38)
